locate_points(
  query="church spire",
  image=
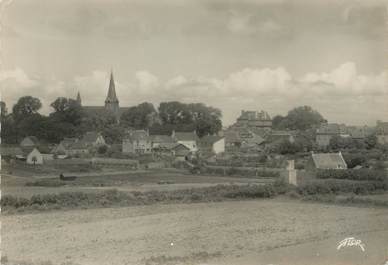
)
(111, 97)
(78, 98)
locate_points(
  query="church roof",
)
(111, 97)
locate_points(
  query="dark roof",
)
(96, 110)
(66, 142)
(90, 137)
(162, 139)
(210, 139)
(329, 161)
(34, 139)
(179, 146)
(185, 136)
(137, 135)
(78, 145)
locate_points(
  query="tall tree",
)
(141, 116)
(301, 118)
(25, 106)
(67, 110)
(3, 109)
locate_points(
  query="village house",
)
(189, 139)
(212, 144)
(160, 140)
(137, 142)
(254, 119)
(93, 139)
(359, 132)
(327, 131)
(180, 151)
(382, 132)
(77, 148)
(34, 157)
(243, 140)
(64, 146)
(326, 161)
(29, 141)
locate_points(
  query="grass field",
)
(269, 231)
(167, 179)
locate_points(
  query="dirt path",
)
(247, 232)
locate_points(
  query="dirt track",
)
(247, 232)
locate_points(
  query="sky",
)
(268, 55)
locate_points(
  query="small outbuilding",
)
(327, 161)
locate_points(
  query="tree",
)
(102, 149)
(67, 110)
(26, 106)
(371, 141)
(277, 122)
(301, 118)
(34, 160)
(188, 117)
(3, 109)
(141, 116)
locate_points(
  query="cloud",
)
(341, 94)
(16, 83)
(146, 81)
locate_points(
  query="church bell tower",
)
(111, 101)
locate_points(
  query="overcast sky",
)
(242, 54)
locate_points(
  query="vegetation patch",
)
(113, 198)
(353, 174)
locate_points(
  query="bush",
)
(46, 183)
(111, 198)
(337, 187)
(353, 174)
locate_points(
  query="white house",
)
(34, 157)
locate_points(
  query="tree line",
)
(69, 119)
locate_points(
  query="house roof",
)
(33, 139)
(162, 139)
(180, 146)
(100, 110)
(185, 136)
(137, 135)
(78, 146)
(329, 160)
(66, 142)
(210, 139)
(90, 137)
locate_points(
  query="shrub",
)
(46, 183)
(353, 174)
(336, 187)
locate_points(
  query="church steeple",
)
(111, 97)
(111, 101)
(79, 98)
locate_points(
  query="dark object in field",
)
(67, 178)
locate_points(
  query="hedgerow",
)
(353, 174)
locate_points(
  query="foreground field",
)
(246, 232)
(161, 180)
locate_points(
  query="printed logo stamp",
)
(351, 242)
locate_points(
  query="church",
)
(111, 103)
